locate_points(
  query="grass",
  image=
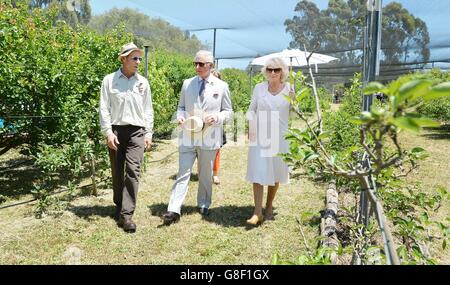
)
(86, 233)
(432, 173)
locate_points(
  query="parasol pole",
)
(291, 76)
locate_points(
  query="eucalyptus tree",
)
(339, 30)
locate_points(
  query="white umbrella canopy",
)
(294, 58)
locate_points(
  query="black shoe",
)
(170, 217)
(127, 224)
(117, 213)
(203, 211)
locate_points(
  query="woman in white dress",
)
(268, 116)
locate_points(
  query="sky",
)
(251, 28)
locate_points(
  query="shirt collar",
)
(120, 74)
(208, 79)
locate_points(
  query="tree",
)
(156, 33)
(403, 35)
(74, 12)
(339, 30)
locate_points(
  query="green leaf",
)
(373, 87)
(414, 89)
(356, 120)
(377, 111)
(425, 122)
(440, 90)
(275, 259)
(365, 117)
(406, 124)
(417, 150)
(324, 135)
(311, 156)
(303, 93)
(302, 260)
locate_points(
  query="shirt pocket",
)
(117, 96)
(138, 100)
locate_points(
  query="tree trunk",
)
(329, 220)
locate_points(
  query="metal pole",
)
(371, 63)
(251, 78)
(146, 61)
(214, 43)
(372, 44)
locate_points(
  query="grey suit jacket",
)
(216, 101)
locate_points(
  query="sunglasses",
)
(270, 70)
(136, 58)
(201, 64)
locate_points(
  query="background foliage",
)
(156, 33)
(340, 27)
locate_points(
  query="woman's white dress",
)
(271, 113)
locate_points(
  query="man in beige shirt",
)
(126, 119)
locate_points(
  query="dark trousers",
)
(126, 166)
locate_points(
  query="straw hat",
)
(194, 126)
(127, 49)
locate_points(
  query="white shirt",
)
(126, 101)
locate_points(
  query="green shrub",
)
(239, 84)
(166, 73)
(50, 80)
(351, 102)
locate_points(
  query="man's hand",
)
(181, 120)
(113, 142)
(211, 119)
(147, 144)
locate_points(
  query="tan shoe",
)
(255, 220)
(269, 217)
(216, 180)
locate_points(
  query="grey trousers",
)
(126, 166)
(180, 188)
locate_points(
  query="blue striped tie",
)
(202, 88)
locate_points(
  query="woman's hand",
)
(252, 136)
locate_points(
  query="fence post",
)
(93, 176)
(146, 61)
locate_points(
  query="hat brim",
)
(197, 132)
(125, 54)
(198, 135)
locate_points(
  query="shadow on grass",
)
(159, 209)
(227, 216)
(16, 178)
(440, 133)
(89, 212)
(194, 177)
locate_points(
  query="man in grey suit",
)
(207, 97)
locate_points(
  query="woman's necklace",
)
(275, 90)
